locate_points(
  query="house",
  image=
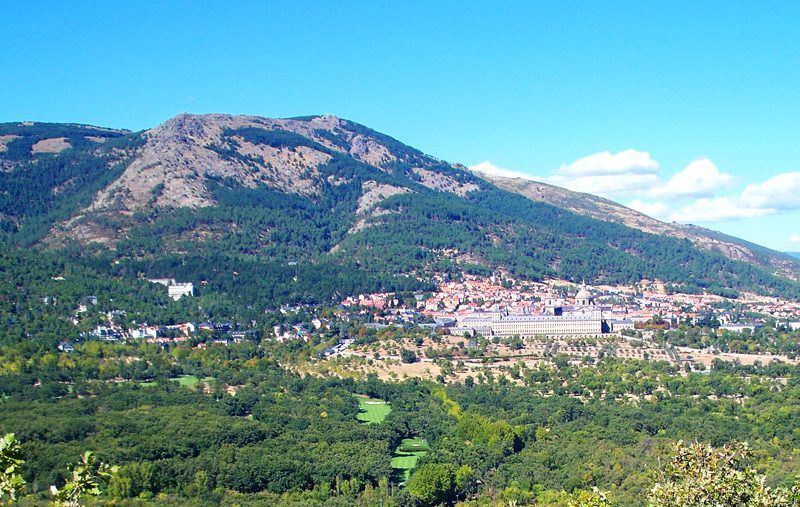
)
(178, 290)
(175, 289)
(144, 332)
(617, 325)
(105, 333)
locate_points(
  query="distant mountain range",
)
(796, 255)
(204, 196)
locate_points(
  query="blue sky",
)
(689, 110)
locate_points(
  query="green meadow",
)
(183, 380)
(410, 450)
(407, 454)
(371, 410)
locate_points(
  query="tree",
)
(132, 480)
(11, 482)
(699, 474)
(432, 484)
(408, 356)
(464, 479)
(86, 477)
(594, 498)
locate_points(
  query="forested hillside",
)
(204, 197)
(209, 195)
(605, 209)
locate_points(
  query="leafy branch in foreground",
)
(87, 475)
(699, 474)
(11, 482)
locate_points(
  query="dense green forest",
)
(46, 188)
(291, 439)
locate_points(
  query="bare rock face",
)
(443, 183)
(370, 152)
(52, 145)
(171, 168)
(174, 159)
(374, 193)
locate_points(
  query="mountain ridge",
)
(245, 190)
(606, 209)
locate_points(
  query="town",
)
(475, 323)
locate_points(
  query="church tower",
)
(583, 298)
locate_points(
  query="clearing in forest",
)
(372, 410)
(406, 456)
(183, 380)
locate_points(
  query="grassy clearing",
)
(414, 445)
(183, 380)
(406, 456)
(371, 410)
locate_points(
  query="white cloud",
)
(634, 175)
(607, 163)
(794, 238)
(609, 174)
(653, 209)
(601, 173)
(491, 169)
(719, 209)
(607, 185)
(701, 178)
(781, 192)
(778, 194)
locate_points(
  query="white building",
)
(617, 325)
(178, 290)
(583, 319)
(166, 282)
(175, 290)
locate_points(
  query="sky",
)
(688, 111)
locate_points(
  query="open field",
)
(183, 380)
(372, 411)
(460, 357)
(407, 455)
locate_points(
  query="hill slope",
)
(213, 197)
(605, 209)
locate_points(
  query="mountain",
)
(796, 255)
(314, 207)
(605, 209)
